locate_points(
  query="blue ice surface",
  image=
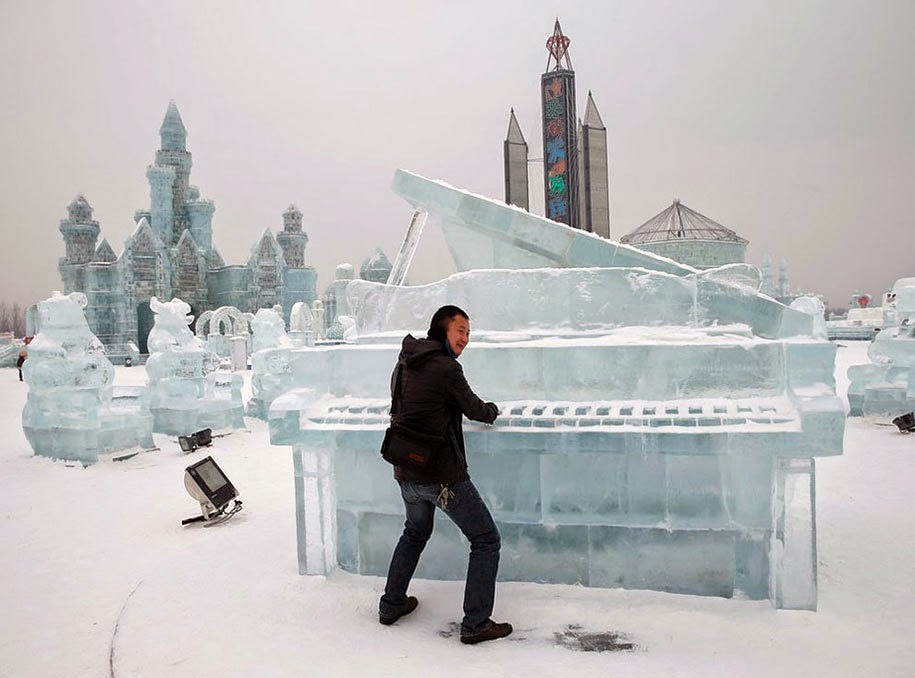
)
(658, 425)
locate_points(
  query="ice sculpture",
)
(270, 363)
(862, 322)
(659, 423)
(302, 325)
(350, 331)
(187, 392)
(887, 385)
(73, 411)
(816, 309)
(9, 349)
(227, 332)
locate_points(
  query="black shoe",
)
(407, 608)
(492, 632)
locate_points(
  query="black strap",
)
(395, 395)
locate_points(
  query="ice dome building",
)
(691, 238)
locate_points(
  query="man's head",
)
(451, 324)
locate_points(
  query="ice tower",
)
(659, 423)
(80, 231)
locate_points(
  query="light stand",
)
(206, 483)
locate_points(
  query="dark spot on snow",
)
(452, 629)
(575, 638)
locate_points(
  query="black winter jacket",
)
(433, 397)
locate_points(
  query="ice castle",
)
(171, 253)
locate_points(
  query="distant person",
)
(23, 354)
(433, 397)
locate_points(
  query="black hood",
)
(415, 351)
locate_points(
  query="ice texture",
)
(658, 423)
(187, 392)
(73, 412)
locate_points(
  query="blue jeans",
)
(466, 510)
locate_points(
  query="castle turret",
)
(200, 220)
(173, 153)
(80, 232)
(292, 239)
(161, 201)
(172, 133)
(299, 279)
(514, 150)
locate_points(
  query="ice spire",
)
(172, 132)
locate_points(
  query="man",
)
(433, 397)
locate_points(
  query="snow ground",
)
(99, 578)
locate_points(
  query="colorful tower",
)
(514, 150)
(595, 174)
(560, 147)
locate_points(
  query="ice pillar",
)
(408, 248)
(793, 575)
(315, 510)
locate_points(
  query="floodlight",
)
(905, 422)
(202, 438)
(206, 483)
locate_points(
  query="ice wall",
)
(73, 411)
(187, 391)
(570, 299)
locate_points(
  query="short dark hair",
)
(438, 326)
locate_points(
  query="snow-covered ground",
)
(99, 578)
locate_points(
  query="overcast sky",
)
(792, 123)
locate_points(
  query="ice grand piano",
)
(659, 424)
